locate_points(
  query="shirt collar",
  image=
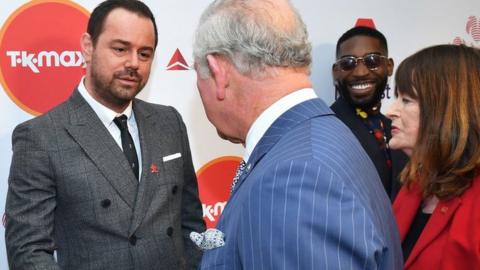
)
(267, 117)
(105, 114)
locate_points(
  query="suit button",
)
(174, 189)
(106, 203)
(169, 231)
(132, 240)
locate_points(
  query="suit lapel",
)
(151, 156)
(405, 207)
(440, 218)
(90, 133)
(286, 122)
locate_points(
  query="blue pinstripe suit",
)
(311, 199)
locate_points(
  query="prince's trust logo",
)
(472, 29)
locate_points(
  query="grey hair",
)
(251, 37)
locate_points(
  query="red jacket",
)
(451, 238)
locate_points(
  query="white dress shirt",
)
(106, 116)
(267, 117)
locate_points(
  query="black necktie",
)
(127, 143)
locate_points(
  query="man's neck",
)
(261, 94)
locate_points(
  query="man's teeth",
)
(361, 86)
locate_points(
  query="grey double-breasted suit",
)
(71, 190)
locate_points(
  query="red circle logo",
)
(214, 182)
(40, 57)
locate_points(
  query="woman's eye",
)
(406, 100)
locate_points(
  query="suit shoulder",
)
(333, 129)
(150, 105)
(332, 143)
(39, 132)
(325, 132)
(167, 116)
(47, 120)
(156, 108)
(473, 192)
(325, 139)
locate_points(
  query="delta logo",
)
(472, 29)
(40, 57)
(214, 181)
(177, 62)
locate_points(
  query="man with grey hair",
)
(306, 195)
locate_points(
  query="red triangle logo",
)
(177, 62)
(365, 22)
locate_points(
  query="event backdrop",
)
(40, 64)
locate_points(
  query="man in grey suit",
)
(104, 179)
(306, 196)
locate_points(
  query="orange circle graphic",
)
(214, 181)
(40, 56)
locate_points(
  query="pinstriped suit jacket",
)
(71, 189)
(311, 199)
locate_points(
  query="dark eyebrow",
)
(126, 43)
(123, 42)
(350, 55)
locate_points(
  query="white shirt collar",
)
(105, 114)
(267, 117)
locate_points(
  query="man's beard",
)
(368, 104)
(116, 94)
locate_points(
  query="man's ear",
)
(86, 45)
(219, 72)
(390, 66)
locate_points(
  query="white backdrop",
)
(408, 26)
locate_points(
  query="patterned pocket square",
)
(210, 239)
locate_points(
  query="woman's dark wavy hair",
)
(445, 80)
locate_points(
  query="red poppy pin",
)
(153, 168)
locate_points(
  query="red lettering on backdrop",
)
(40, 57)
(214, 181)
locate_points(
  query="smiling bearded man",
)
(360, 76)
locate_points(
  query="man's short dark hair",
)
(97, 18)
(362, 31)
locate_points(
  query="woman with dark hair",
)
(436, 121)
